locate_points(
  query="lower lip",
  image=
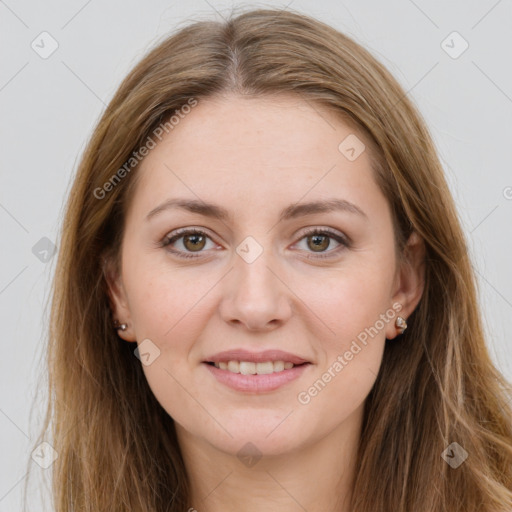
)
(256, 383)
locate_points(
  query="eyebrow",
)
(293, 211)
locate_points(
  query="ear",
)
(409, 280)
(118, 300)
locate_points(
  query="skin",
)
(255, 157)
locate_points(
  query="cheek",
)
(357, 309)
(164, 301)
(168, 308)
(355, 305)
(350, 302)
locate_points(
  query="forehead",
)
(233, 148)
(281, 129)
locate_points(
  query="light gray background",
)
(50, 106)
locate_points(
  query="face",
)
(268, 283)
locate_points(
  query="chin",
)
(255, 445)
(263, 434)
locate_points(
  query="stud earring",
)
(401, 324)
(119, 326)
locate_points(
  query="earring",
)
(119, 326)
(401, 324)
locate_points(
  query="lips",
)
(256, 372)
(255, 383)
(255, 357)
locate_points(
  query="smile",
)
(245, 376)
(252, 368)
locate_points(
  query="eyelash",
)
(167, 241)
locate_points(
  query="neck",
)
(315, 477)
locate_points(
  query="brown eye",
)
(187, 243)
(318, 242)
(324, 243)
(194, 242)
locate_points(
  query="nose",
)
(255, 295)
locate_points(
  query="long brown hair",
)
(117, 447)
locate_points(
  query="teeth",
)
(234, 366)
(263, 368)
(247, 368)
(279, 366)
(251, 368)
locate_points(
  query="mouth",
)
(257, 373)
(253, 368)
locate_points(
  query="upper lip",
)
(256, 357)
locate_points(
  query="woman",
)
(264, 299)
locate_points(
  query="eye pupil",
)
(195, 244)
(317, 244)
